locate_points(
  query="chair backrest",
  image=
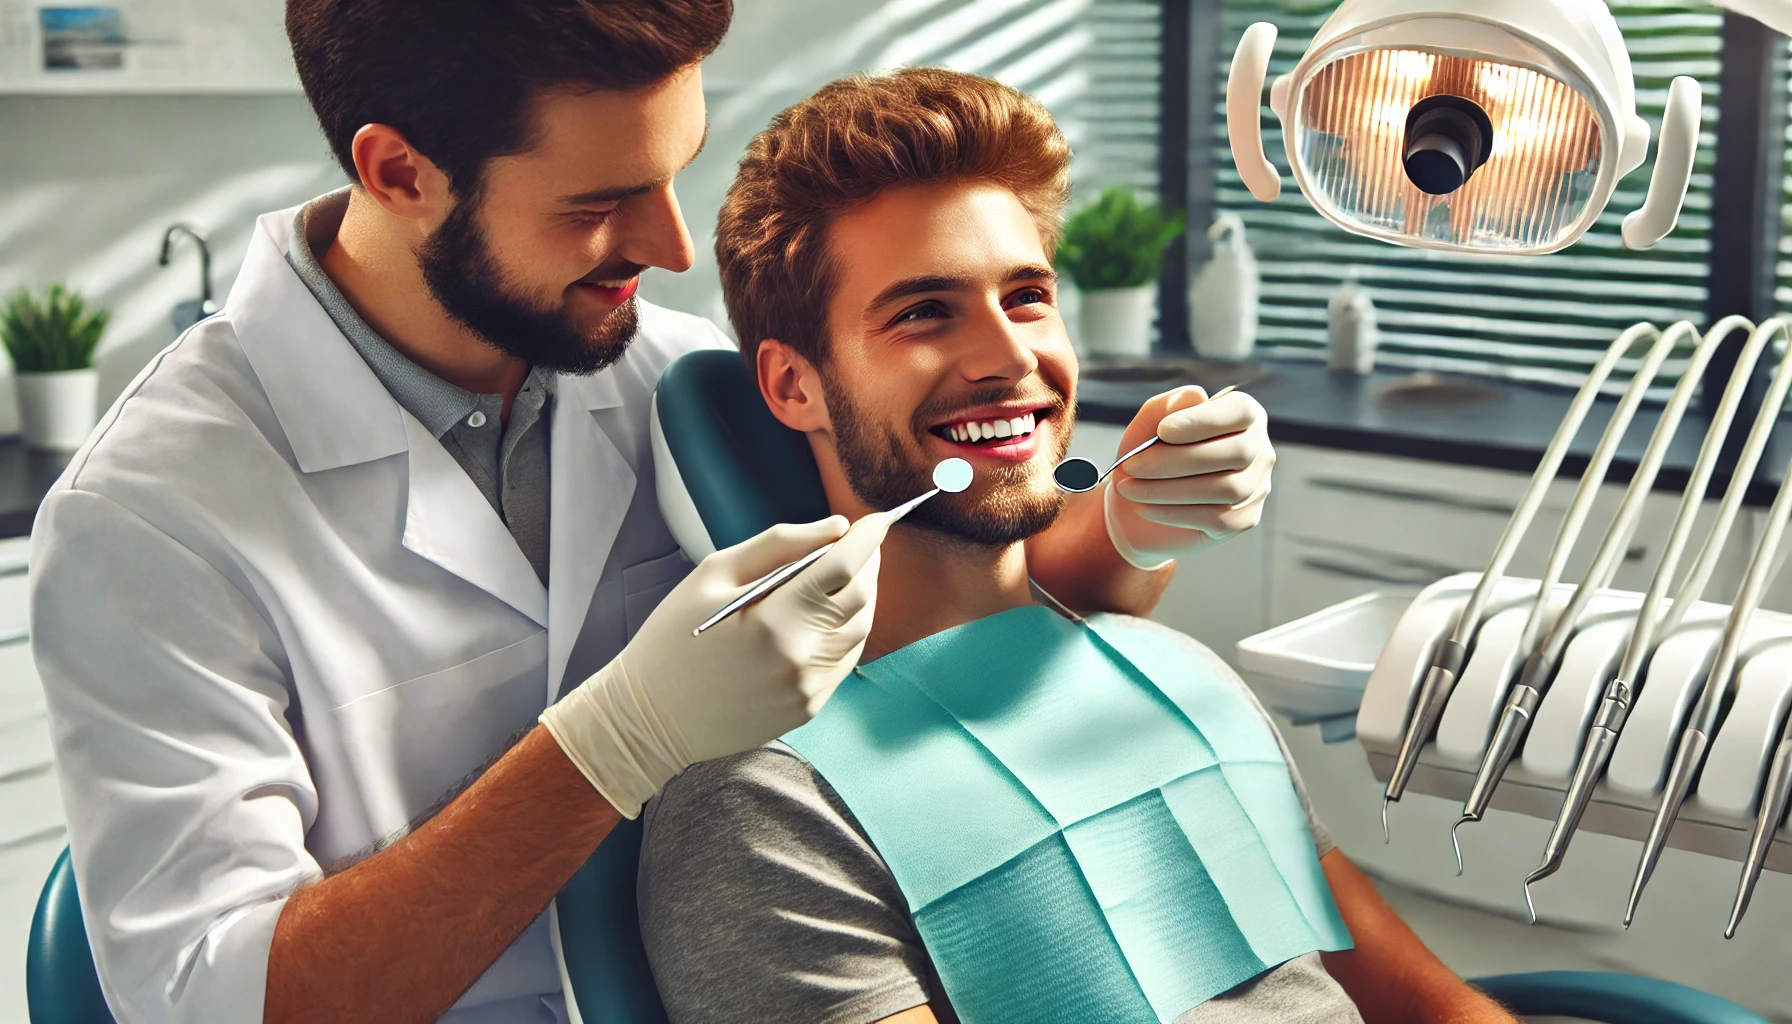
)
(61, 984)
(1610, 998)
(725, 468)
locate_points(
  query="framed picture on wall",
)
(147, 46)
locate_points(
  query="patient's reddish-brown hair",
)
(839, 148)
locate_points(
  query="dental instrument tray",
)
(1656, 716)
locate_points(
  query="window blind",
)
(1782, 291)
(1539, 318)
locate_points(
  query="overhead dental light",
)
(1483, 126)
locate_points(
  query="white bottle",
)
(1351, 328)
(1222, 301)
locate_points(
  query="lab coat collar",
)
(332, 409)
(593, 485)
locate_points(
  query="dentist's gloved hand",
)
(671, 699)
(1206, 481)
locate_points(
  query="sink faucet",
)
(189, 313)
(205, 261)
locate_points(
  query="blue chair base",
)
(1611, 999)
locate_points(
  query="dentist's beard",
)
(464, 276)
(1004, 505)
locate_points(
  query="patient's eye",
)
(1030, 296)
(929, 310)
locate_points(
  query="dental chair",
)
(726, 469)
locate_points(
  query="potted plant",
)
(51, 340)
(1113, 250)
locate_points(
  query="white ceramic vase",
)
(58, 410)
(1117, 321)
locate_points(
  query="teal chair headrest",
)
(726, 468)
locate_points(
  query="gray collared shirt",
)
(507, 462)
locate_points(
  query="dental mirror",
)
(1077, 475)
(949, 475)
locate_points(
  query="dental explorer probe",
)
(1773, 811)
(1448, 659)
(1578, 508)
(1695, 742)
(949, 475)
(1614, 705)
(1077, 475)
(1540, 660)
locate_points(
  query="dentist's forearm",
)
(1390, 975)
(1076, 562)
(399, 936)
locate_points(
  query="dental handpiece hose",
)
(1620, 692)
(1447, 660)
(1695, 742)
(1539, 667)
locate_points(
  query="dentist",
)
(357, 620)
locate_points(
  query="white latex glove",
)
(1206, 481)
(671, 699)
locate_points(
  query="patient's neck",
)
(930, 582)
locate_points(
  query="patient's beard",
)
(1004, 505)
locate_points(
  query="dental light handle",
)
(1695, 742)
(1446, 664)
(1692, 589)
(1244, 111)
(1674, 150)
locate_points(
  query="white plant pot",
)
(58, 410)
(1117, 321)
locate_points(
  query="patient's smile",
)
(1003, 434)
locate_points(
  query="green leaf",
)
(51, 334)
(1116, 241)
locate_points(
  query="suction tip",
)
(1455, 843)
(1386, 836)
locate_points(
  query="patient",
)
(1008, 812)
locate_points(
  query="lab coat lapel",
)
(448, 521)
(593, 485)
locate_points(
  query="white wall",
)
(88, 183)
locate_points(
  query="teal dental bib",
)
(1088, 826)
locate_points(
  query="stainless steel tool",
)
(1695, 741)
(1541, 659)
(1447, 660)
(1620, 692)
(1773, 812)
(1076, 475)
(950, 475)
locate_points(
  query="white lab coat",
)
(276, 622)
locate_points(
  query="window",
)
(1540, 318)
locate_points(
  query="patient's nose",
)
(997, 349)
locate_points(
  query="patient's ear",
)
(791, 387)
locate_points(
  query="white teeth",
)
(1019, 426)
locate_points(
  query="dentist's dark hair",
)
(458, 77)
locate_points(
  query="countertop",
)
(1506, 426)
(1494, 424)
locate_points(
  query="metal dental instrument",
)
(1620, 691)
(950, 475)
(1448, 659)
(1540, 661)
(1773, 812)
(1696, 740)
(1076, 475)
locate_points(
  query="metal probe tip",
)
(1528, 905)
(1455, 843)
(1386, 836)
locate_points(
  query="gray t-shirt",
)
(762, 899)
